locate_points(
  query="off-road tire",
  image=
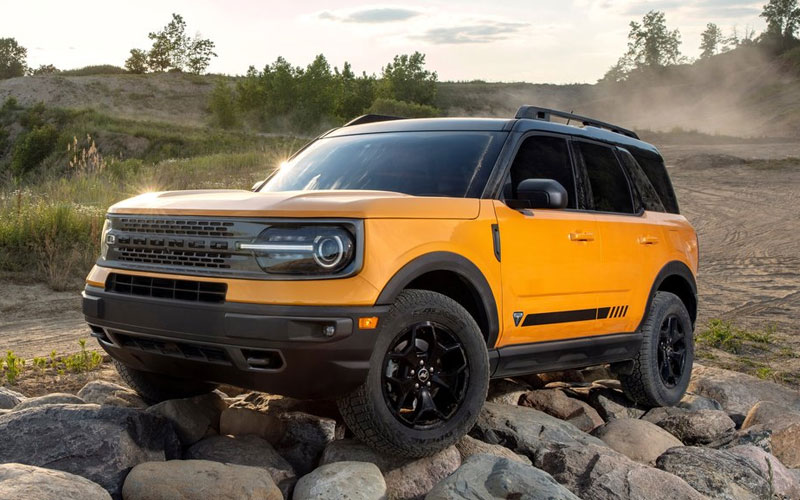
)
(365, 410)
(644, 385)
(154, 387)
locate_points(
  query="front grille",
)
(174, 257)
(177, 349)
(184, 227)
(164, 288)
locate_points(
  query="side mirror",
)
(542, 193)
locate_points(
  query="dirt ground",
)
(744, 200)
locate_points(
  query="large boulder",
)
(738, 392)
(556, 403)
(18, 481)
(342, 481)
(488, 477)
(600, 473)
(716, 473)
(695, 402)
(754, 436)
(469, 446)
(9, 398)
(102, 392)
(195, 479)
(637, 439)
(100, 443)
(56, 398)
(405, 478)
(506, 391)
(784, 424)
(784, 482)
(694, 426)
(251, 451)
(304, 439)
(611, 403)
(194, 418)
(239, 421)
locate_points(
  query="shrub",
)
(100, 69)
(137, 62)
(13, 366)
(223, 106)
(32, 148)
(392, 107)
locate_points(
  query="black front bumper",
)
(306, 352)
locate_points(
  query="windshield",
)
(453, 164)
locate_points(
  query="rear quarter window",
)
(653, 166)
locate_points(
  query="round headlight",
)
(328, 250)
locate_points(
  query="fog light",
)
(329, 330)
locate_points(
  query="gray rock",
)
(237, 421)
(108, 393)
(304, 439)
(506, 391)
(196, 479)
(611, 404)
(783, 481)
(737, 392)
(525, 430)
(405, 478)
(785, 426)
(757, 435)
(251, 451)
(637, 439)
(342, 481)
(469, 446)
(18, 481)
(716, 473)
(556, 403)
(600, 473)
(488, 477)
(9, 398)
(695, 402)
(193, 418)
(49, 399)
(100, 443)
(694, 426)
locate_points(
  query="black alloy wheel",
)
(671, 350)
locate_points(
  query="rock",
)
(525, 430)
(571, 376)
(611, 404)
(9, 398)
(108, 393)
(193, 418)
(783, 481)
(608, 383)
(737, 392)
(638, 440)
(716, 473)
(695, 402)
(468, 446)
(756, 436)
(598, 472)
(49, 399)
(554, 402)
(100, 443)
(239, 421)
(196, 479)
(405, 478)
(304, 439)
(342, 481)
(488, 476)
(27, 482)
(785, 426)
(506, 391)
(694, 426)
(251, 451)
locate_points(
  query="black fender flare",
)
(447, 261)
(672, 268)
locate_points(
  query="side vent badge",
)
(518, 317)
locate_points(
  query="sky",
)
(541, 41)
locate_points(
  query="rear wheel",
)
(428, 378)
(154, 387)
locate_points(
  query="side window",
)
(607, 181)
(653, 167)
(649, 197)
(543, 157)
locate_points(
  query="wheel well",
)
(458, 288)
(678, 285)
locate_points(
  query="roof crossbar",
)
(537, 113)
(371, 118)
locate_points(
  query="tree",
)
(356, 94)
(406, 79)
(651, 44)
(711, 41)
(137, 62)
(13, 58)
(45, 69)
(198, 54)
(223, 105)
(169, 46)
(783, 18)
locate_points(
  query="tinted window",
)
(647, 193)
(653, 166)
(607, 182)
(454, 164)
(543, 157)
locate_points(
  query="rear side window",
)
(544, 157)
(653, 166)
(609, 187)
(647, 193)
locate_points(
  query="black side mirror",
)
(542, 193)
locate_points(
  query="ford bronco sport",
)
(397, 265)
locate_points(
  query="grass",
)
(83, 361)
(730, 338)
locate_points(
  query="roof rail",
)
(371, 119)
(537, 113)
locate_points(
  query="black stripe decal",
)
(602, 313)
(614, 311)
(625, 312)
(550, 318)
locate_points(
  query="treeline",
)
(283, 97)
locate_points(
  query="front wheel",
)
(428, 378)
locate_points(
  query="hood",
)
(337, 203)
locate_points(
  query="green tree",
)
(199, 52)
(406, 79)
(45, 69)
(783, 18)
(13, 58)
(137, 62)
(355, 94)
(651, 44)
(32, 148)
(710, 41)
(223, 105)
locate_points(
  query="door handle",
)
(581, 236)
(648, 240)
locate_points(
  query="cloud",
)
(371, 15)
(485, 32)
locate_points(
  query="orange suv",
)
(398, 265)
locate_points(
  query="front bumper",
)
(306, 352)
